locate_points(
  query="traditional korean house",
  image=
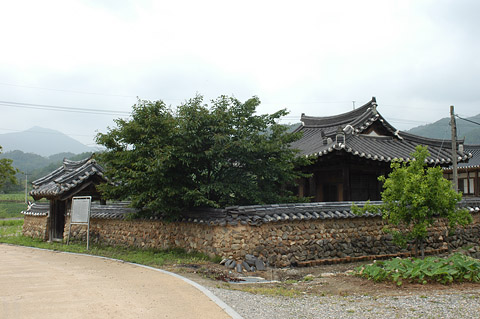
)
(352, 149)
(468, 173)
(73, 178)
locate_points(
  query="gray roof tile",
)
(65, 178)
(255, 216)
(393, 145)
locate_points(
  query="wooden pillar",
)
(51, 220)
(476, 183)
(301, 188)
(319, 187)
(312, 186)
(346, 183)
(469, 191)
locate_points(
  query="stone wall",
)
(35, 226)
(279, 243)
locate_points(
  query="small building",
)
(468, 173)
(73, 178)
(351, 150)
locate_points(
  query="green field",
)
(12, 204)
(19, 197)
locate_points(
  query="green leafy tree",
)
(415, 196)
(165, 161)
(7, 172)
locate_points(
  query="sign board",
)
(80, 215)
(81, 210)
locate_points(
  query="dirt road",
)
(43, 284)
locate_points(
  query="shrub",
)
(456, 268)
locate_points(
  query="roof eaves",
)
(47, 178)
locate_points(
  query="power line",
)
(61, 108)
(67, 91)
(467, 120)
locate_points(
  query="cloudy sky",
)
(74, 66)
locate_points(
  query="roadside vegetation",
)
(12, 204)
(414, 198)
(456, 268)
(10, 233)
(270, 290)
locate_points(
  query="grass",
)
(19, 197)
(16, 223)
(10, 232)
(11, 209)
(268, 291)
(12, 204)
(10, 228)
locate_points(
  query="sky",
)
(76, 65)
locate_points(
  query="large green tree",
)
(7, 172)
(197, 155)
(416, 196)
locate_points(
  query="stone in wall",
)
(35, 226)
(280, 244)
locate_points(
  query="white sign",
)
(80, 215)
(81, 210)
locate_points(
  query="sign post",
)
(80, 215)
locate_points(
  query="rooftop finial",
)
(374, 105)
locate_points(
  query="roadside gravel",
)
(465, 304)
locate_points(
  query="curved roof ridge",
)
(431, 141)
(73, 165)
(67, 166)
(91, 163)
(336, 120)
(45, 179)
(69, 176)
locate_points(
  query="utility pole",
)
(26, 188)
(454, 148)
(353, 104)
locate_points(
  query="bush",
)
(456, 268)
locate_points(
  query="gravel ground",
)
(458, 305)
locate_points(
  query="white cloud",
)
(420, 55)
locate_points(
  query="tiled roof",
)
(37, 209)
(473, 162)
(254, 215)
(359, 119)
(110, 211)
(65, 178)
(260, 214)
(319, 138)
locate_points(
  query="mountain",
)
(42, 141)
(441, 129)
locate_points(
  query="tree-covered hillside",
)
(35, 166)
(442, 130)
